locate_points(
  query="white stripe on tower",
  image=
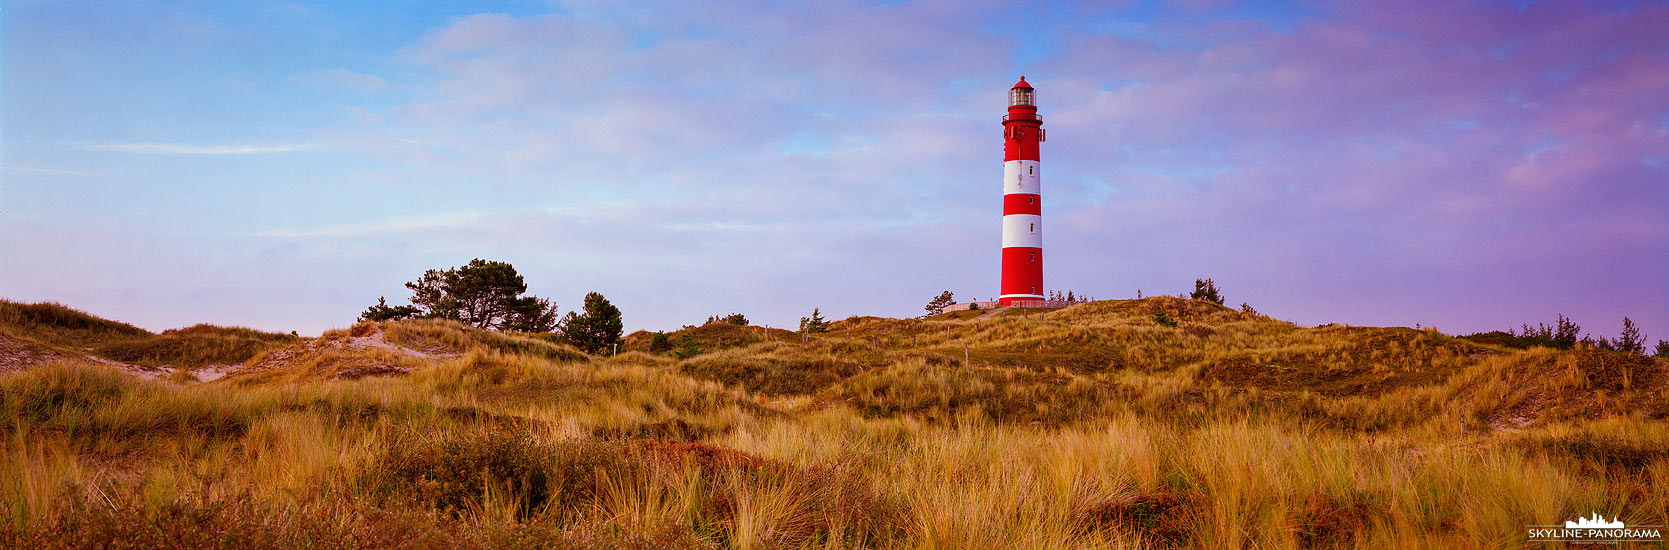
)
(1023, 230)
(1021, 177)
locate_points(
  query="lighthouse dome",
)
(1022, 94)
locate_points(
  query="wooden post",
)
(616, 348)
(965, 362)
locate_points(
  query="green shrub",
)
(452, 470)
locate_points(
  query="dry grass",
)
(1086, 427)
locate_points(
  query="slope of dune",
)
(1153, 423)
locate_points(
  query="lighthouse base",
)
(1009, 299)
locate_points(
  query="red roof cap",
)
(1022, 83)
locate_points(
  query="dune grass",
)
(1086, 427)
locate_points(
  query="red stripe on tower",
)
(1022, 198)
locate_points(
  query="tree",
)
(1565, 331)
(1206, 290)
(531, 314)
(1662, 349)
(814, 323)
(1562, 334)
(1071, 297)
(938, 304)
(596, 329)
(1630, 341)
(1247, 308)
(660, 342)
(687, 347)
(383, 312)
(483, 293)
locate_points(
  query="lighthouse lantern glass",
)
(1021, 96)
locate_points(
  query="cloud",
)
(1474, 164)
(47, 171)
(192, 149)
(393, 226)
(343, 78)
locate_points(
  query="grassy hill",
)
(1094, 426)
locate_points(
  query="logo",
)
(1596, 522)
(1595, 529)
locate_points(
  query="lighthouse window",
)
(1031, 200)
(1030, 169)
(1034, 257)
(1034, 228)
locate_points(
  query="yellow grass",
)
(1086, 427)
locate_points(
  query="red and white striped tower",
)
(1022, 198)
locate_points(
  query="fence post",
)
(965, 362)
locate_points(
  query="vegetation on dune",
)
(938, 304)
(53, 331)
(1092, 426)
(597, 329)
(482, 293)
(195, 346)
(59, 325)
(814, 323)
(1206, 290)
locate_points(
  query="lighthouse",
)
(1022, 277)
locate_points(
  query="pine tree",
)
(1206, 290)
(1630, 341)
(383, 312)
(815, 323)
(938, 304)
(483, 293)
(595, 330)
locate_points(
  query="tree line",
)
(490, 294)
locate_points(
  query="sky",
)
(1465, 165)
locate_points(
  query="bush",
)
(1164, 319)
(1560, 335)
(687, 347)
(733, 319)
(659, 342)
(452, 470)
(1206, 290)
(384, 312)
(814, 323)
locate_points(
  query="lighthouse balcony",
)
(1022, 116)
